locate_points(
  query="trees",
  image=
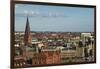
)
(91, 52)
(80, 44)
(85, 52)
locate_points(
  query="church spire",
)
(27, 36)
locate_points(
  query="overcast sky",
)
(54, 18)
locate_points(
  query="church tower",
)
(27, 35)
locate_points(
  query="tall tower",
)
(27, 36)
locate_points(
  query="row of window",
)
(39, 62)
(19, 64)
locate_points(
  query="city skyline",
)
(64, 19)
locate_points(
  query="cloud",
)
(25, 12)
(37, 13)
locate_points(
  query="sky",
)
(54, 18)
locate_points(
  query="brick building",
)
(39, 59)
(47, 57)
(28, 35)
(53, 57)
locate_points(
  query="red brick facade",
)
(47, 57)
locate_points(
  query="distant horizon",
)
(54, 18)
(56, 31)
